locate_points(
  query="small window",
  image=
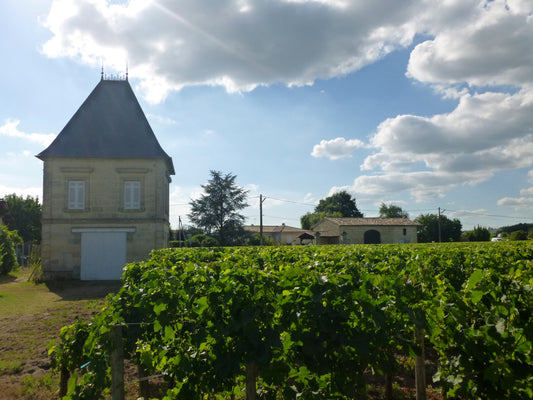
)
(132, 195)
(76, 195)
(404, 231)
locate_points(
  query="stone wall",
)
(148, 227)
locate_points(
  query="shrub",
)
(8, 257)
(202, 240)
(518, 235)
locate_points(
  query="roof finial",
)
(102, 73)
(126, 70)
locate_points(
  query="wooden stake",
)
(420, 365)
(117, 364)
(251, 376)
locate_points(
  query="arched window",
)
(372, 237)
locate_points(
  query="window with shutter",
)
(76, 195)
(132, 195)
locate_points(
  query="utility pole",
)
(261, 199)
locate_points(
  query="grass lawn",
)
(31, 315)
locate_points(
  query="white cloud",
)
(36, 192)
(160, 119)
(520, 203)
(336, 148)
(495, 48)
(422, 185)
(10, 128)
(239, 44)
(236, 43)
(485, 133)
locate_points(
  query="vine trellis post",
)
(420, 365)
(117, 364)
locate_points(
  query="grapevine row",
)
(311, 322)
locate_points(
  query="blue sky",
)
(423, 104)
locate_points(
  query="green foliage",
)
(202, 240)
(478, 234)
(8, 257)
(340, 204)
(450, 230)
(517, 227)
(392, 211)
(26, 214)
(31, 386)
(311, 320)
(217, 210)
(518, 235)
(255, 240)
(311, 219)
(36, 274)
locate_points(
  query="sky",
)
(425, 104)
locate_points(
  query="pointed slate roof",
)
(109, 124)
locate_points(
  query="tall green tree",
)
(392, 211)
(26, 214)
(478, 234)
(450, 230)
(340, 204)
(217, 209)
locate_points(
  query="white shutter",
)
(132, 195)
(76, 195)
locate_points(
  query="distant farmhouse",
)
(105, 188)
(365, 231)
(283, 234)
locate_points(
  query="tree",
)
(518, 235)
(8, 257)
(26, 214)
(311, 219)
(392, 211)
(478, 234)
(217, 210)
(340, 204)
(450, 230)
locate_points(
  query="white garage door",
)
(103, 255)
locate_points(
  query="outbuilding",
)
(332, 230)
(105, 188)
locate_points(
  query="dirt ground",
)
(30, 317)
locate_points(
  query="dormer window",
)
(132, 195)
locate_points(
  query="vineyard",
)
(312, 322)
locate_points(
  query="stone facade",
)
(365, 231)
(146, 228)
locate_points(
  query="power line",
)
(489, 215)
